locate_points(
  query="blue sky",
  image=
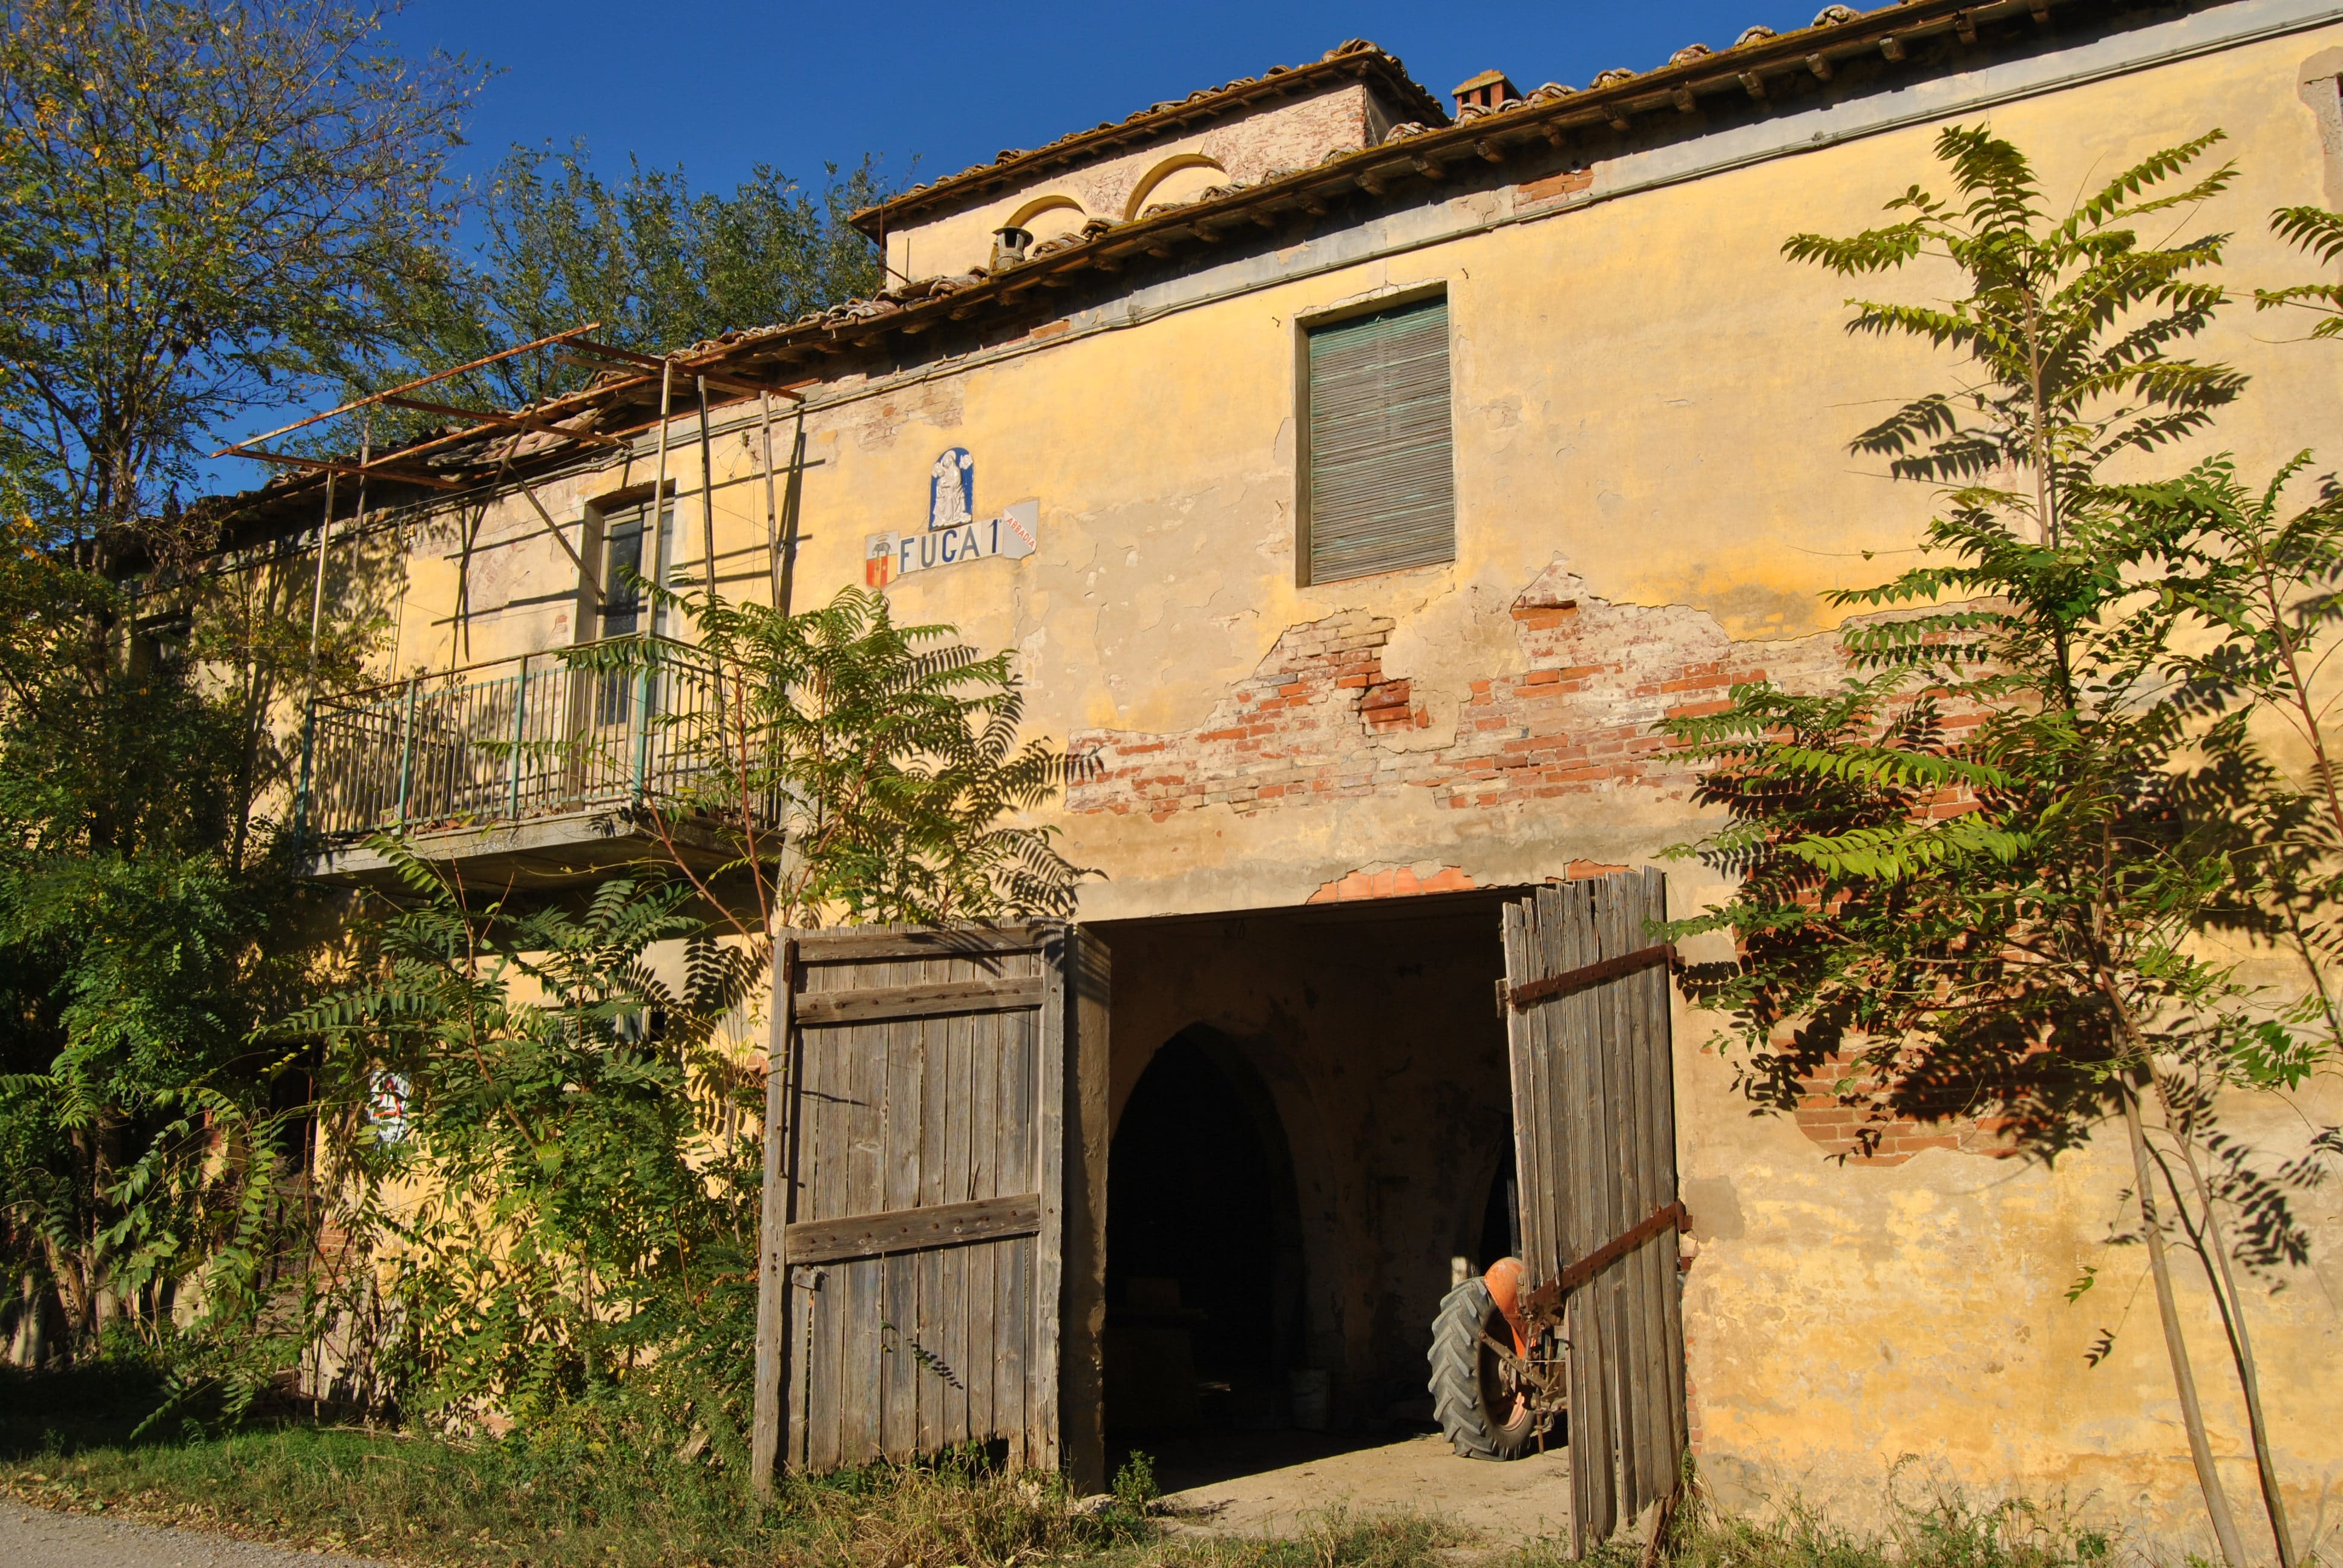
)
(717, 88)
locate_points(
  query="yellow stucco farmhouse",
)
(1358, 475)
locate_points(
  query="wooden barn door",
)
(909, 1290)
(1595, 1139)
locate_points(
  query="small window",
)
(1383, 485)
(622, 568)
(626, 558)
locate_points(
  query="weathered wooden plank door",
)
(912, 1269)
(1595, 1140)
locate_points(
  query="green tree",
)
(579, 1096)
(1974, 878)
(581, 1219)
(146, 1144)
(201, 201)
(660, 266)
(870, 773)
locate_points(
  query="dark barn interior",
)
(1312, 1136)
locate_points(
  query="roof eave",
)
(1278, 82)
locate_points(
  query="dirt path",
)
(38, 1538)
(1506, 1502)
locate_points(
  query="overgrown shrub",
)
(543, 1150)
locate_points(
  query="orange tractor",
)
(1500, 1367)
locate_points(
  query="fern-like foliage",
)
(2067, 328)
(544, 1108)
(868, 772)
(1970, 881)
(2320, 233)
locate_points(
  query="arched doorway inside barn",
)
(1204, 1257)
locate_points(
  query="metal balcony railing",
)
(505, 741)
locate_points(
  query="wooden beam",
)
(1819, 64)
(554, 528)
(1753, 84)
(1892, 46)
(725, 381)
(771, 1368)
(918, 1230)
(1964, 25)
(1683, 96)
(872, 943)
(325, 466)
(506, 421)
(410, 385)
(934, 1000)
(1490, 149)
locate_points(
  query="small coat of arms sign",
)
(954, 532)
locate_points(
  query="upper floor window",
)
(623, 568)
(1381, 483)
(622, 557)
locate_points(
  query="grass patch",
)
(66, 1443)
(565, 1498)
(570, 1499)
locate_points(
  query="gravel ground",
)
(38, 1538)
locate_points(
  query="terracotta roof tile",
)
(1351, 56)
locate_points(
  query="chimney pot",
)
(1009, 244)
(1485, 91)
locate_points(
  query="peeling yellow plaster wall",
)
(1650, 399)
(1645, 390)
(1841, 1318)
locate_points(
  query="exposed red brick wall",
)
(1320, 720)
(1851, 1122)
(1392, 882)
(1569, 182)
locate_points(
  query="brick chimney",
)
(1485, 91)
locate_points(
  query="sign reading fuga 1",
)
(954, 532)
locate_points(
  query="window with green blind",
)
(1383, 483)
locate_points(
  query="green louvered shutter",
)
(1383, 483)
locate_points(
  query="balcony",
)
(529, 772)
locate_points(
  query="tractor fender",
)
(1505, 1279)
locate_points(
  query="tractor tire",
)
(1480, 1420)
